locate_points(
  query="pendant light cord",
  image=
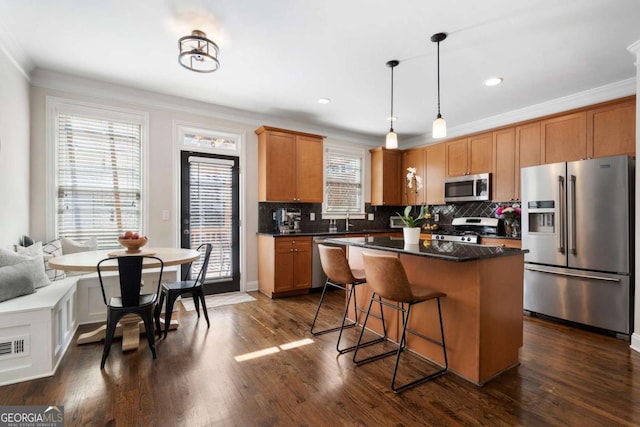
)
(439, 79)
(391, 118)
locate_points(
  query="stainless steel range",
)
(468, 230)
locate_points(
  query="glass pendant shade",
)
(439, 129)
(391, 141)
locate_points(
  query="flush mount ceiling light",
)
(198, 53)
(439, 129)
(324, 100)
(391, 141)
(493, 81)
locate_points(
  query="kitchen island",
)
(482, 312)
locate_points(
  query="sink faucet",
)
(346, 223)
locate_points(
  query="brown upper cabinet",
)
(504, 177)
(290, 166)
(435, 170)
(386, 177)
(470, 155)
(414, 158)
(611, 129)
(564, 138)
(528, 151)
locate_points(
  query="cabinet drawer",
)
(293, 242)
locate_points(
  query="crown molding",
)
(581, 99)
(125, 94)
(16, 55)
(635, 49)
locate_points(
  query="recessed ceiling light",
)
(493, 81)
(324, 100)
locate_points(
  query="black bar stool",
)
(388, 279)
(340, 275)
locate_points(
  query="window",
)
(98, 174)
(344, 175)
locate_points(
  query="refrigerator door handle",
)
(572, 216)
(582, 276)
(561, 224)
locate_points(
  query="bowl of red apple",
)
(132, 241)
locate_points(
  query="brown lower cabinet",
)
(284, 265)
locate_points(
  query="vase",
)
(512, 228)
(411, 235)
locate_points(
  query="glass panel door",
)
(210, 214)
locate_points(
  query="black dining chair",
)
(130, 301)
(172, 290)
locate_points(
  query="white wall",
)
(14, 152)
(163, 112)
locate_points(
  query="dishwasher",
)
(317, 274)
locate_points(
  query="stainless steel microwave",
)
(467, 188)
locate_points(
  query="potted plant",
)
(411, 229)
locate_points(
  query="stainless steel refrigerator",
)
(577, 223)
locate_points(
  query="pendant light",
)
(439, 129)
(391, 140)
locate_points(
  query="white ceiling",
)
(279, 56)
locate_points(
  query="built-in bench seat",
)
(36, 330)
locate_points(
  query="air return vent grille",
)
(14, 347)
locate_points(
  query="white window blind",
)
(211, 207)
(98, 178)
(343, 181)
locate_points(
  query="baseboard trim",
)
(635, 342)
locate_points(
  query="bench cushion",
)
(46, 297)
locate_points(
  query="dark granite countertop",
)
(327, 233)
(365, 231)
(450, 251)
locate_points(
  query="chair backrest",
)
(335, 265)
(130, 277)
(202, 274)
(387, 277)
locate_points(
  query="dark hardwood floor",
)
(567, 377)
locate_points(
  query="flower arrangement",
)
(414, 185)
(509, 213)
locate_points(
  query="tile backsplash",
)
(266, 224)
(381, 215)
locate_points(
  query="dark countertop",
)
(449, 251)
(327, 233)
(366, 231)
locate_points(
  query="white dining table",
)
(130, 327)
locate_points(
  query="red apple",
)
(128, 234)
(135, 236)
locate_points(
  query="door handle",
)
(561, 224)
(564, 273)
(572, 217)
